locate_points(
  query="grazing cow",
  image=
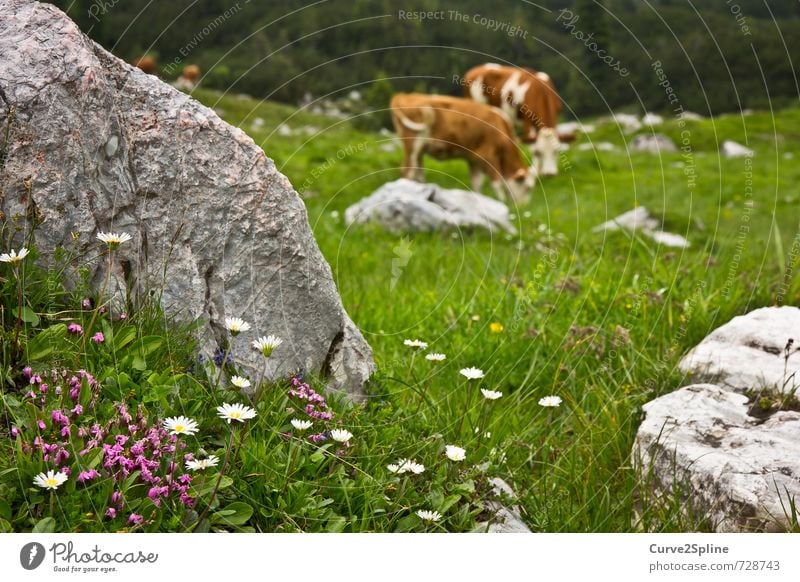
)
(529, 95)
(188, 79)
(148, 64)
(450, 127)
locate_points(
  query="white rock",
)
(217, 230)
(690, 116)
(258, 123)
(284, 130)
(405, 205)
(731, 149)
(602, 146)
(569, 127)
(747, 353)
(654, 143)
(505, 519)
(651, 119)
(630, 123)
(738, 472)
(639, 221)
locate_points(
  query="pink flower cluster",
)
(129, 444)
(313, 404)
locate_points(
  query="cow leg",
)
(499, 190)
(476, 177)
(415, 161)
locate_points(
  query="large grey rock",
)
(639, 221)
(738, 473)
(405, 205)
(98, 145)
(750, 352)
(653, 143)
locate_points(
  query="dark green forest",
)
(716, 55)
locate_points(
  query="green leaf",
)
(123, 337)
(449, 502)
(27, 315)
(46, 342)
(46, 525)
(408, 523)
(5, 527)
(5, 509)
(237, 513)
(336, 524)
(145, 346)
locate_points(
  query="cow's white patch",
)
(545, 152)
(543, 76)
(513, 93)
(492, 66)
(476, 90)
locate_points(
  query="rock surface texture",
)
(654, 143)
(97, 145)
(750, 352)
(405, 205)
(504, 519)
(733, 471)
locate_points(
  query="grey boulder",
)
(653, 143)
(405, 205)
(98, 145)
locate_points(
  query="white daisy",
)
(491, 394)
(236, 411)
(472, 373)
(435, 357)
(416, 344)
(393, 468)
(113, 239)
(426, 515)
(236, 325)
(266, 344)
(301, 425)
(550, 401)
(240, 382)
(181, 425)
(13, 257)
(200, 464)
(413, 467)
(455, 453)
(341, 435)
(50, 480)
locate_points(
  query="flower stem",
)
(219, 480)
(97, 307)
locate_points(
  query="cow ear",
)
(520, 175)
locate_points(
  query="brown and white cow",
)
(525, 94)
(450, 127)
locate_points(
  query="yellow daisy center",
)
(51, 482)
(179, 428)
(235, 414)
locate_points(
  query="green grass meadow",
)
(599, 319)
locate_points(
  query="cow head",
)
(545, 152)
(520, 185)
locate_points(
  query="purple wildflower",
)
(111, 513)
(98, 338)
(135, 519)
(75, 329)
(85, 476)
